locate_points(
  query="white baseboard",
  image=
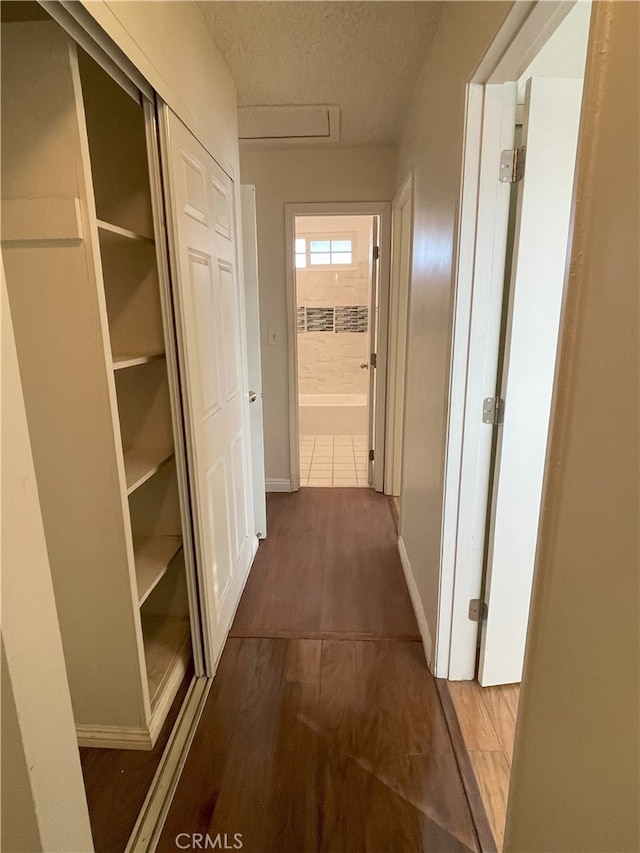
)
(114, 737)
(278, 484)
(414, 595)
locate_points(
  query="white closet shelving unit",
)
(81, 265)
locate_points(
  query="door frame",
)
(249, 251)
(399, 294)
(366, 208)
(490, 118)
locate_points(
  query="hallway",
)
(323, 730)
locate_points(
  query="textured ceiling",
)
(364, 57)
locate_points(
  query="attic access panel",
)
(314, 123)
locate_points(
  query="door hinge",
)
(376, 253)
(477, 610)
(373, 361)
(512, 165)
(493, 411)
(371, 455)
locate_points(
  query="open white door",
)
(373, 348)
(401, 242)
(254, 362)
(212, 347)
(550, 133)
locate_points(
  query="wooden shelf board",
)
(140, 465)
(123, 360)
(108, 228)
(152, 557)
(166, 649)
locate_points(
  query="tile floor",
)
(333, 460)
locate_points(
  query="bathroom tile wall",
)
(329, 362)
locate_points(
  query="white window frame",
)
(329, 236)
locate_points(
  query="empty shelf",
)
(124, 360)
(166, 649)
(140, 465)
(110, 228)
(152, 557)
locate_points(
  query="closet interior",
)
(82, 263)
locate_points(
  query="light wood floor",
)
(487, 720)
(327, 733)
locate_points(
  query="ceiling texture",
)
(363, 57)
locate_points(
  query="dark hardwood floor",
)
(116, 782)
(325, 732)
(329, 568)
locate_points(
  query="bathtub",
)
(333, 414)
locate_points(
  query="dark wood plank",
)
(116, 782)
(309, 746)
(403, 738)
(294, 816)
(329, 568)
(327, 734)
(249, 764)
(326, 635)
(225, 780)
(284, 589)
(342, 823)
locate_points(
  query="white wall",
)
(432, 145)
(565, 52)
(288, 176)
(575, 781)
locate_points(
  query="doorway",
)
(493, 114)
(335, 300)
(338, 295)
(527, 112)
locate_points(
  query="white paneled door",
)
(212, 344)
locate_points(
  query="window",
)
(337, 250)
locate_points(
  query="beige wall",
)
(432, 146)
(575, 777)
(43, 802)
(44, 807)
(286, 176)
(171, 45)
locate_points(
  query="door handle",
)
(364, 366)
(252, 396)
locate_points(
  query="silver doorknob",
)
(364, 366)
(252, 396)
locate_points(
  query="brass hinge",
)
(376, 253)
(373, 361)
(477, 610)
(512, 165)
(371, 455)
